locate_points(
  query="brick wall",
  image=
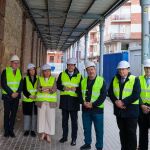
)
(12, 30)
(14, 42)
(27, 45)
(2, 15)
(17, 36)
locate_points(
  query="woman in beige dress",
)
(46, 102)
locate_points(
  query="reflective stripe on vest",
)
(95, 89)
(74, 82)
(145, 91)
(128, 88)
(41, 96)
(13, 81)
(32, 90)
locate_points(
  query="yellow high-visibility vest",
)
(31, 89)
(95, 89)
(13, 81)
(128, 88)
(145, 90)
(67, 82)
(41, 96)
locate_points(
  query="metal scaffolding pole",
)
(145, 31)
(73, 50)
(101, 46)
(78, 43)
(86, 49)
(64, 59)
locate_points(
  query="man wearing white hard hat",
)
(28, 102)
(47, 102)
(69, 85)
(144, 117)
(11, 82)
(93, 95)
(124, 92)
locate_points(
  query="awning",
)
(63, 22)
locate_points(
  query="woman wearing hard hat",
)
(11, 82)
(124, 92)
(28, 104)
(46, 102)
(144, 117)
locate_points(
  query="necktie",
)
(122, 80)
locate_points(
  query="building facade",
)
(122, 31)
(55, 60)
(123, 28)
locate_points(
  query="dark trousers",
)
(10, 111)
(144, 125)
(74, 123)
(128, 138)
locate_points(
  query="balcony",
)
(93, 41)
(121, 18)
(119, 36)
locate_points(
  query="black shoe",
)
(6, 134)
(85, 147)
(12, 134)
(73, 142)
(99, 149)
(26, 133)
(33, 134)
(62, 140)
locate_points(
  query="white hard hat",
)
(89, 64)
(46, 67)
(30, 66)
(123, 64)
(14, 58)
(71, 61)
(147, 63)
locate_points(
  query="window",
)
(124, 46)
(51, 59)
(62, 59)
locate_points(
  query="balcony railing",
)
(120, 17)
(117, 36)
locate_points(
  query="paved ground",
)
(111, 138)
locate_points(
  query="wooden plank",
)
(1, 28)
(1, 51)
(2, 7)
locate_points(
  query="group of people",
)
(130, 96)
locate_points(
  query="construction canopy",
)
(63, 22)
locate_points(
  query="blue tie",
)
(122, 80)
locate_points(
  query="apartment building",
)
(122, 30)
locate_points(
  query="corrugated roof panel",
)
(71, 22)
(67, 20)
(42, 21)
(37, 4)
(80, 5)
(76, 34)
(100, 6)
